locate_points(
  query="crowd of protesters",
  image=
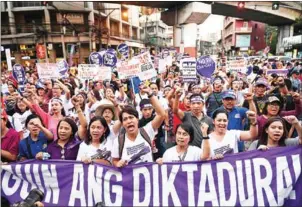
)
(167, 120)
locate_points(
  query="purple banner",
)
(279, 72)
(205, 66)
(256, 178)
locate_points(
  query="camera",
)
(100, 204)
(33, 196)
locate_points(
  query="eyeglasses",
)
(62, 154)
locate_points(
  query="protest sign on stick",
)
(103, 73)
(205, 66)
(87, 71)
(48, 71)
(279, 72)
(128, 69)
(188, 69)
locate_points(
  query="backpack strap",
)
(145, 136)
(121, 141)
(29, 149)
(122, 137)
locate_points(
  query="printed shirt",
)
(137, 151)
(213, 102)
(193, 154)
(236, 117)
(35, 146)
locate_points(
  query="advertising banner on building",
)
(48, 71)
(40, 51)
(188, 69)
(243, 40)
(256, 178)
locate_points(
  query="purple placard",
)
(109, 59)
(256, 178)
(279, 72)
(95, 58)
(205, 66)
(62, 68)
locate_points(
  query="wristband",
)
(206, 137)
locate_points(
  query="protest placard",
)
(205, 66)
(162, 63)
(109, 59)
(48, 71)
(103, 73)
(95, 58)
(279, 72)
(239, 65)
(128, 69)
(255, 178)
(62, 67)
(147, 68)
(188, 69)
(87, 71)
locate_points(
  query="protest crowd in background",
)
(150, 108)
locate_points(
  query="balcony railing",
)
(5, 30)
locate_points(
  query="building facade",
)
(154, 32)
(57, 26)
(241, 37)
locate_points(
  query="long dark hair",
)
(105, 125)
(188, 128)
(17, 109)
(264, 136)
(220, 111)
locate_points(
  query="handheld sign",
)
(279, 72)
(48, 71)
(123, 49)
(205, 66)
(95, 58)
(188, 69)
(128, 69)
(103, 73)
(62, 68)
(109, 59)
(147, 68)
(19, 75)
(239, 65)
(87, 71)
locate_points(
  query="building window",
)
(125, 14)
(26, 3)
(245, 24)
(150, 29)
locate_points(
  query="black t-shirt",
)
(259, 102)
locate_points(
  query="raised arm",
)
(253, 132)
(160, 112)
(179, 113)
(292, 120)
(205, 141)
(82, 131)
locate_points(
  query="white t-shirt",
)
(132, 148)
(16, 124)
(90, 150)
(229, 142)
(22, 118)
(193, 154)
(138, 98)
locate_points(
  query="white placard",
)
(188, 69)
(8, 59)
(128, 69)
(87, 71)
(103, 73)
(48, 71)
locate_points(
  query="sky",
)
(213, 24)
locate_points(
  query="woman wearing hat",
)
(274, 134)
(273, 108)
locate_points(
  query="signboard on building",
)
(41, 51)
(74, 18)
(295, 40)
(243, 40)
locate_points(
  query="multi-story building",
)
(154, 31)
(58, 25)
(241, 36)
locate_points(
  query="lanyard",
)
(183, 157)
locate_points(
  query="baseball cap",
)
(229, 94)
(261, 82)
(145, 103)
(272, 99)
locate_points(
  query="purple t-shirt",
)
(70, 150)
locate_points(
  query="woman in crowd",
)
(273, 108)
(81, 99)
(9, 140)
(275, 134)
(36, 142)
(20, 115)
(98, 143)
(223, 141)
(66, 147)
(183, 151)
